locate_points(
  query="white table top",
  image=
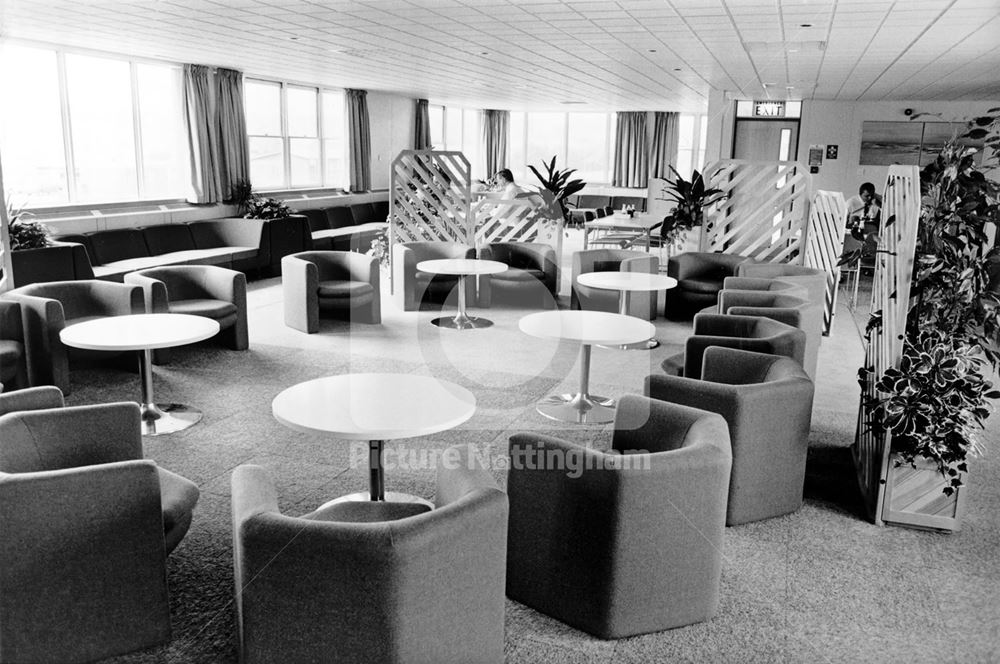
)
(139, 332)
(627, 281)
(638, 222)
(466, 266)
(588, 327)
(374, 406)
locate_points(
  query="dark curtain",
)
(201, 134)
(422, 127)
(663, 152)
(496, 128)
(234, 151)
(359, 140)
(631, 157)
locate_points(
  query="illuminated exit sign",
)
(769, 109)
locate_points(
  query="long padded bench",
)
(347, 227)
(236, 243)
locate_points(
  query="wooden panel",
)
(764, 213)
(827, 222)
(890, 300)
(913, 497)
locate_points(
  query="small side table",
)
(623, 282)
(463, 268)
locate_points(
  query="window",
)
(587, 146)
(516, 162)
(296, 135)
(90, 129)
(692, 131)
(435, 115)
(546, 134)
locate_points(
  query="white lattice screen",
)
(825, 244)
(6, 270)
(519, 220)
(890, 301)
(430, 197)
(764, 213)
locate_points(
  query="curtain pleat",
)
(201, 134)
(234, 150)
(631, 156)
(664, 148)
(359, 140)
(422, 127)
(495, 133)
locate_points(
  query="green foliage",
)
(242, 193)
(25, 234)
(261, 207)
(935, 402)
(559, 184)
(380, 249)
(692, 197)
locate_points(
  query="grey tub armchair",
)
(623, 543)
(87, 524)
(767, 402)
(410, 286)
(13, 362)
(531, 270)
(372, 581)
(640, 304)
(315, 281)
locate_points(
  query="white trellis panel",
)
(825, 244)
(890, 300)
(519, 220)
(764, 212)
(6, 268)
(430, 197)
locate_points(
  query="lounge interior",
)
(488, 560)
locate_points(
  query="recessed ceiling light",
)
(484, 53)
(678, 69)
(294, 38)
(572, 102)
(652, 50)
(805, 25)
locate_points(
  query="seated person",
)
(864, 210)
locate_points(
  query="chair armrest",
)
(735, 367)
(11, 326)
(32, 398)
(722, 325)
(695, 393)
(791, 317)
(363, 267)
(252, 492)
(154, 292)
(649, 264)
(43, 318)
(461, 472)
(118, 299)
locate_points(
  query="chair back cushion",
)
(118, 245)
(339, 216)
(362, 213)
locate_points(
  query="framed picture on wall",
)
(887, 143)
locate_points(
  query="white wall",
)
(391, 119)
(840, 123)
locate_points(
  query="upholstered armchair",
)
(87, 524)
(641, 304)
(383, 582)
(755, 333)
(700, 276)
(812, 279)
(789, 309)
(767, 403)
(626, 542)
(410, 286)
(531, 268)
(200, 290)
(13, 362)
(46, 308)
(315, 281)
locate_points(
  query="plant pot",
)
(914, 497)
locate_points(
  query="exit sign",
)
(769, 109)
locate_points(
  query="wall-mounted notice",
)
(815, 155)
(831, 151)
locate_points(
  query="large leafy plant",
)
(935, 403)
(262, 207)
(24, 233)
(558, 183)
(692, 197)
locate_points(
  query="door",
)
(766, 140)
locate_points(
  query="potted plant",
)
(24, 233)
(935, 402)
(692, 197)
(557, 182)
(288, 232)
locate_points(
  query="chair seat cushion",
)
(709, 286)
(674, 365)
(11, 353)
(214, 309)
(367, 511)
(336, 289)
(519, 275)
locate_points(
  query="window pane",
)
(165, 165)
(702, 140)
(100, 106)
(436, 118)
(515, 149)
(305, 162)
(334, 145)
(301, 112)
(263, 108)
(471, 141)
(267, 162)
(334, 121)
(335, 161)
(683, 165)
(587, 149)
(545, 138)
(453, 129)
(31, 136)
(685, 132)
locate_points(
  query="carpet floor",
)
(823, 584)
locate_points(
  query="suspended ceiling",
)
(548, 54)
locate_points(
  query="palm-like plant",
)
(559, 184)
(24, 233)
(692, 197)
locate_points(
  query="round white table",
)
(145, 333)
(463, 268)
(587, 327)
(623, 282)
(376, 408)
